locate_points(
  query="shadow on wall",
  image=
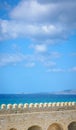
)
(12, 129)
(35, 128)
(55, 127)
(72, 126)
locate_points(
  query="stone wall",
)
(43, 116)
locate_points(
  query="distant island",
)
(68, 92)
(65, 92)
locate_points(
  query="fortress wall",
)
(43, 118)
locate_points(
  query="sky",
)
(37, 45)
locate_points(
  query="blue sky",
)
(37, 45)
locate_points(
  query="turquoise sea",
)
(35, 98)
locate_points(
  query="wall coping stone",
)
(36, 107)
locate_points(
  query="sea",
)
(35, 98)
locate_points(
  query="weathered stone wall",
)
(47, 116)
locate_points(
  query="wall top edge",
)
(37, 105)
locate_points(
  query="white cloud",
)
(56, 70)
(45, 12)
(39, 48)
(40, 20)
(73, 54)
(31, 60)
(30, 64)
(6, 59)
(50, 64)
(55, 54)
(73, 69)
(13, 29)
(28, 59)
(16, 48)
(36, 11)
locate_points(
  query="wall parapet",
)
(36, 107)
